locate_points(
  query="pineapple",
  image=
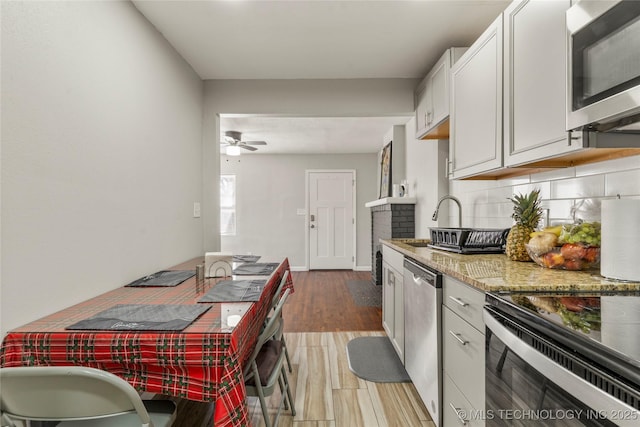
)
(527, 213)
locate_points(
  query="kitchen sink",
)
(416, 243)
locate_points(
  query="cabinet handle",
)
(449, 168)
(458, 301)
(392, 278)
(573, 137)
(457, 337)
(458, 411)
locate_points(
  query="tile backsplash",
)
(564, 192)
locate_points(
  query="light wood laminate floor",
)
(320, 319)
(328, 394)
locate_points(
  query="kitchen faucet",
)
(435, 214)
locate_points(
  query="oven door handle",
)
(591, 396)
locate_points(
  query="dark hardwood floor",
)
(322, 303)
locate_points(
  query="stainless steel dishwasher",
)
(422, 317)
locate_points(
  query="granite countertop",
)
(498, 273)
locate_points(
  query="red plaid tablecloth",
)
(203, 362)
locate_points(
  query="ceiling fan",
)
(233, 141)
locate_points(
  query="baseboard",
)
(299, 268)
(362, 268)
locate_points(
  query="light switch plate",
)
(196, 209)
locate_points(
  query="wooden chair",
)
(264, 369)
(77, 396)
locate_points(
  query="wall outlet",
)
(196, 209)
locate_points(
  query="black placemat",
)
(246, 258)
(142, 317)
(235, 291)
(255, 269)
(164, 278)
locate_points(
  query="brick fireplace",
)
(389, 221)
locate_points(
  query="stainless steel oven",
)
(603, 66)
(562, 360)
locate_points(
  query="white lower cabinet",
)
(388, 296)
(393, 298)
(457, 410)
(463, 354)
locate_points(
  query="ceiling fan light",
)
(233, 150)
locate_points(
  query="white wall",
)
(311, 98)
(486, 204)
(425, 172)
(270, 189)
(101, 154)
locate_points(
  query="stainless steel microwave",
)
(603, 66)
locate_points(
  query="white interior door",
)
(331, 220)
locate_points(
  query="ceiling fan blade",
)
(246, 147)
(254, 142)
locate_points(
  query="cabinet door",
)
(393, 258)
(398, 314)
(422, 106)
(535, 81)
(439, 84)
(463, 357)
(432, 98)
(388, 294)
(464, 300)
(475, 145)
(456, 409)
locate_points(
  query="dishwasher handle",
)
(423, 273)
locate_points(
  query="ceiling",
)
(313, 135)
(321, 39)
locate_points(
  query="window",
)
(228, 205)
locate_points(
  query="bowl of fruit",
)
(566, 247)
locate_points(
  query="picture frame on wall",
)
(385, 172)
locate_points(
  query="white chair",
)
(77, 396)
(264, 369)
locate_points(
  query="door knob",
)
(313, 226)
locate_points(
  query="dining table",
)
(202, 362)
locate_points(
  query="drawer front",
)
(463, 356)
(464, 300)
(456, 409)
(394, 258)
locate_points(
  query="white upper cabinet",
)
(432, 98)
(535, 57)
(475, 144)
